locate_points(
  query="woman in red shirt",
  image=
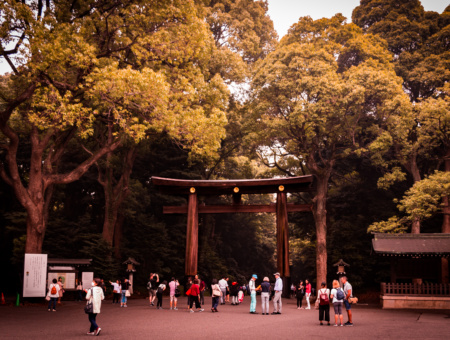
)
(308, 293)
(195, 297)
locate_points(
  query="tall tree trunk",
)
(118, 232)
(320, 218)
(413, 169)
(115, 194)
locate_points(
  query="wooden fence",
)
(425, 289)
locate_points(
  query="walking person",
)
(95, 295)
(265, 295)
(173, 289)
(277, 302)
(116, 291)
(307, 293)
(323, 295)
(202, 287)
(216, 293)
(252, 288)
(125, 287)
(348, 291)
(61, 290)
(159, 294)
(234, 291)
(53, 293)
(187, 289)
(195, 297)
(223, 284)
(337, 295)
(300, 293)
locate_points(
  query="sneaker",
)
(97, 333)
(191, 311)
(90, 333)
(125, 306)
(341, 325)
(201, 310)
(170, 308)
(54, 310)
(175, 308)
(348, 324)
(49, 310)
(335, 325)
(308, 308)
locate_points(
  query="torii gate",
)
(236, 188)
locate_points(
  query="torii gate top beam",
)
(236, 186)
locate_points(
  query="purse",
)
(127, 293)
(47, 297)
(89, 308)
(353, 300)
(177, 292)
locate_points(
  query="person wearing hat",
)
(265, 294)
(252, 287)
(277, 303)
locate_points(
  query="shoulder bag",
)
(89, 308)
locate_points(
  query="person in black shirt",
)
(265, 294)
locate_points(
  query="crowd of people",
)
(221, 291)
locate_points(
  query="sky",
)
(284, 13)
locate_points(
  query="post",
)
(283, 243)
(192, 235)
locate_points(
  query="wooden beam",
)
(192, 236)
(222, 209)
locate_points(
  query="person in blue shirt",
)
(277, 303)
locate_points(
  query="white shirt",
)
(278, 285)
(223, 284)
(252, 285)
(97, 296)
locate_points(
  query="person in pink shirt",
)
(307, 293)
(173, 299)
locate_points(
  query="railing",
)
(426, 289)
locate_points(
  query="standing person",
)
(202, 287)
(61, 290)
(300, 292)
(323, 295)
(173, 285)
(223, 284)
(265, 295)
(228, 291)
(125, 287)
(53, 293)
(277, 303)
(188, 286)
(252, 287)
(159, 294)
(80, 291)
(234, 291)
(215, 293)
(348, 291)
(95, 295)
(154, 283)
(116, 291)
(307, 293)
(336, 293)
(292, 290)
(195, 297)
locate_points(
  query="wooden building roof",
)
(241, 186)
(413, 245)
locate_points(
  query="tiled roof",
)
(411, 244)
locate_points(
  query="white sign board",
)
(87, 278)
(68, 279)
(34, 275)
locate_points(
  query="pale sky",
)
(284, 13)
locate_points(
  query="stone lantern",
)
(340, 269)
(131, 268)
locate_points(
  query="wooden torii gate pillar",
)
(236, 188)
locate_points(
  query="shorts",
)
(152, 292)
(337, 308)
(348, 306)
(173, 298)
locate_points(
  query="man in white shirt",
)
(252, 287)
(277, 303)
(223, 284)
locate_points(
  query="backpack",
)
(340, 294)
(149, 285)
(53, 291)
(160, 289)
(323, 298)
